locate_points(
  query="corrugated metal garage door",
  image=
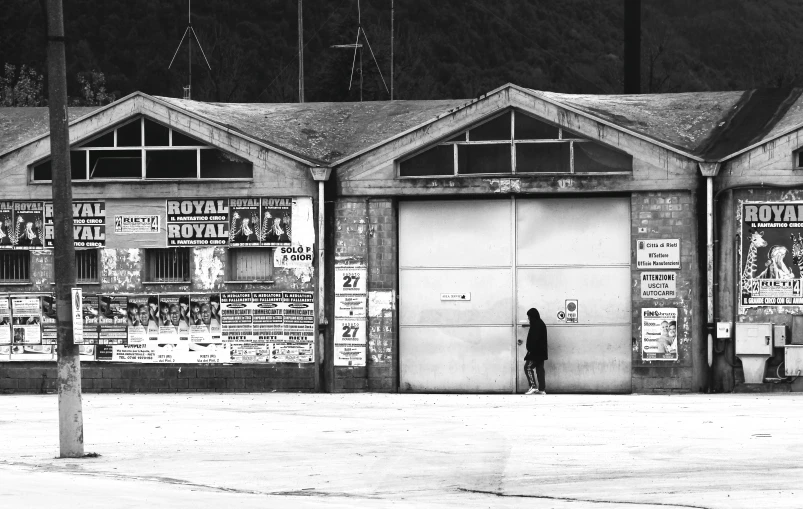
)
(506, 256)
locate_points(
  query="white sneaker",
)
(542, 392)
(532, 390)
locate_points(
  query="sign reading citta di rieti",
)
(658, 254)
(237, 222)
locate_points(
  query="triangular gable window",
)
(142, 149)
(515, 143)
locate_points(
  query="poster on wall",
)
(49, 328)
(5, 322)
(351, 290)
(112, 320)
(90, 310)
(350, 342)
(246, 225)
(277, 222)
(8, 237)
(351, 303)
(238, 222)
(132, 224)
(26, 321)
(659, 334)
(29, 225)
(204, 318)
(198, 222)
(89, 224)
(297, 340)
(32, 353)
(174, 323)
(771, 254)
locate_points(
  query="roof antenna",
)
(189, 31)
(358, 46)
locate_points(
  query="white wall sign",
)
(571, 311)
(658, 285)
(351, 294)
(351, 303)
(658, 253)
(456, 296)
(125, 225)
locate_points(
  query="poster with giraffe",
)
(771, 254)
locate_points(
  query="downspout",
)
(709, 171)
(320, 175)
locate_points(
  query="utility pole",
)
(300, 52)
(391, 49)
(71, 419)
(632, 38)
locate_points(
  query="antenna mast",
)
(191, 32)
(358, 46)
(392, 12)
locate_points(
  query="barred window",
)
(15, 266)
(250, 264)
(86, 266)
(171, 265)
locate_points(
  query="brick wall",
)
(668, 215)
(40, 378)
(366, 233)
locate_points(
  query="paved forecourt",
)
(389, 450)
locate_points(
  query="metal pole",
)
(320, 349)
(189, 50)
(71, 420)
(709, 220)
(391, 49)
(632, 38)
(300, 53)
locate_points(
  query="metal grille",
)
(250, 264)
(14, 266)
(171, 265)
(86, 266)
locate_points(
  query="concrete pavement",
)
(392, 450)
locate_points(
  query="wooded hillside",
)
(444, 48)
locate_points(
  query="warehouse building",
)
(397, 246)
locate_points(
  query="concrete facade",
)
(676, 141)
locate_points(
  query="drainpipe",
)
(320, 175)
(709, 171)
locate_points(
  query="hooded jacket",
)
(536, 339)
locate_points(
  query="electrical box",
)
(793, 360)
(754, 339)
(779, 335)
(797, 330)
(723, 330)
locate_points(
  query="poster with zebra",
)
(771, 254)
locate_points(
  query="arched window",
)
(515, 143)
(142, 149)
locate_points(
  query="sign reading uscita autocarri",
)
(658, 254)
(658, 285)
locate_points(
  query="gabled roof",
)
(708, 126)
(20, 125)
(713, 126)
(323, 132)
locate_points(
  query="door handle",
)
(520, 342)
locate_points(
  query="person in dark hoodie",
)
(536, 353)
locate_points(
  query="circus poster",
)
(771, 254)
